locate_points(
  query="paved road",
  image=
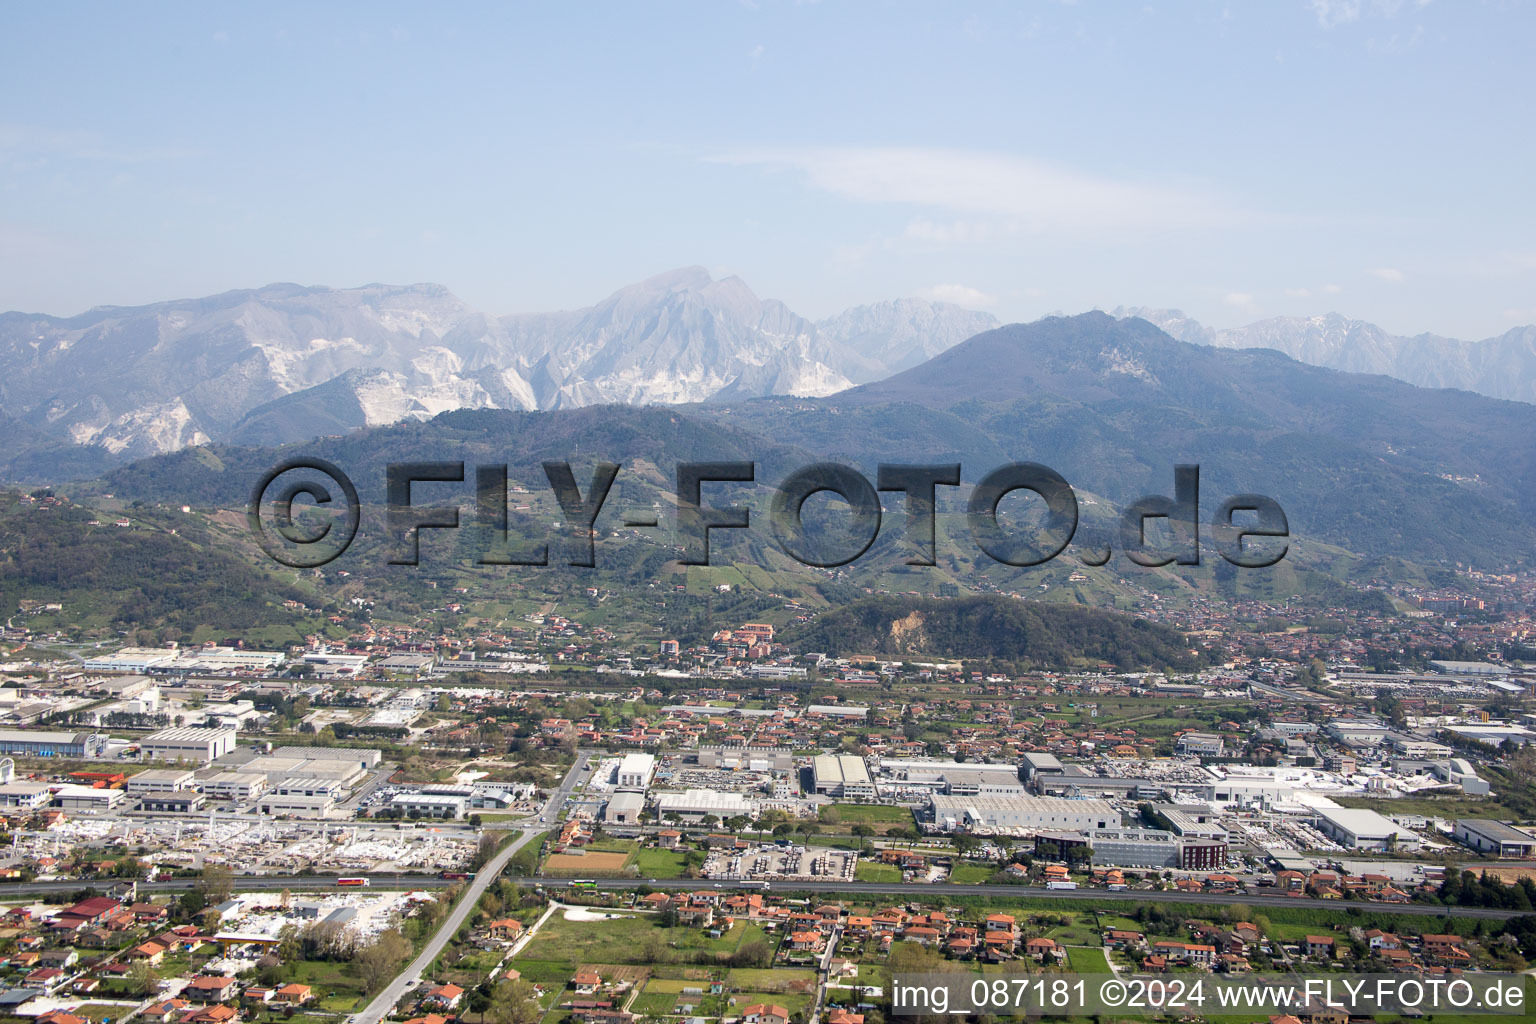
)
(385, 1001)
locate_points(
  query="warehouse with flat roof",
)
(962, 813)
(696, 803)
(636, 771)
(1360, 829)
(1496, 837)
(44, 743)
(199, 746)
(842, 775)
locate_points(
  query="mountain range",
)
(1362, 462)
(1499, 367)
(287, 363)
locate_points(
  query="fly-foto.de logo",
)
(1247, 530)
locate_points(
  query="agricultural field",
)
(654, 862)
(590, 861)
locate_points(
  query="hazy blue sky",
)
(1236, 160)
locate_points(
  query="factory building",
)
(27, 796)
(431, 805)
(696, 803)
(159, 780)
(43, 743)
(1495, 837)
(87, 799)
(182, 801)
(1038, 766)
(962, 813)
(196, 746)
(974, 783)
(295, 805)
(636, 771)
(237, 787)
(753, 759)
(1202, 744)
(366, 757)
(843, 776)
(624, 809)
(1360, 829)
(1146, 848)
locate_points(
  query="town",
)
(207, 833)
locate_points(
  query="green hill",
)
(1001, 628)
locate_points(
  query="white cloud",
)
(959, 294)
(1039, 195)
(1331, 289)
(1388, 274)
(1298, 293)
(1242, 300)
(1332, 13)
(1335, 12)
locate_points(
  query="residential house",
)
(444, 997)
(293, 995)
(505, 928)
(208, 989)
(764, 1013)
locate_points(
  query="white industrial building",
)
(159, 780)
(974, 783)
(133, 659)
(47, 743)
(87, 799)
(366, 757)
(197, 746)
(431, 805)
(696, 803)
(236, 787)
(181, 801)
(28, 796)
(309, 786)
(1358, 828)
(329, 665)
(296, 805)
(960, 813)
(752, 759)
(843, 776)
(624, 809)
(636, 771)
(1494, 837)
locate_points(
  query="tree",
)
(515, 1002)
(143, 979)
(192, 902)
(216, 883)
(379, 961)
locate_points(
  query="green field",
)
(971, 872)
(626, 939)
(871, 814)
(872, 871)
(337, 987)
(1087, 960)
(1433, 807)
(654, 862)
